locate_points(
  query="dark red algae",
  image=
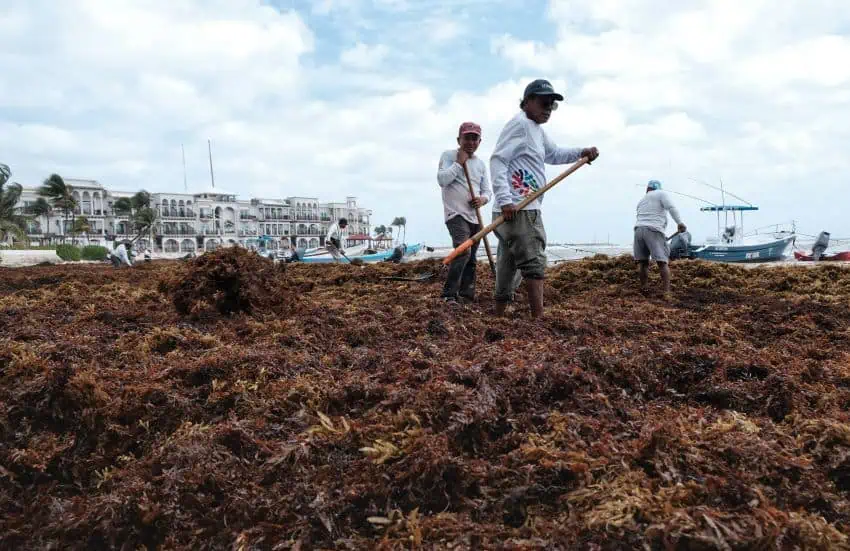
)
(231, 403)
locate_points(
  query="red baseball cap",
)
(469, 128)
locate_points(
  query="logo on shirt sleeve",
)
(523, 182)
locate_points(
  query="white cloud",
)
(753, 92)
(445, 30)
(363, 56)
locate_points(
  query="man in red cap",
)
(459, 207)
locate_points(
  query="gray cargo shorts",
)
(522, 248)
(651, 242)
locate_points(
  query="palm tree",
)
(379, 232)
(41, 208)
(122, 206)
(400, 222)
(144, 221)
(61, 195)
(12, 224)
(142, 199)
(81, 225)
(143, 218)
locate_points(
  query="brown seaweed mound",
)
(228, 281)
(374, 416)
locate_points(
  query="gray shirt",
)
(455, 190)
(652, 210)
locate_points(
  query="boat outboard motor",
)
(821, 243)
(680, 245)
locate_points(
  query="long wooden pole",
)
(522, 204)
(480, 220)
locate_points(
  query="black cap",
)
(541, 87)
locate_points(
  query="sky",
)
(350, 97)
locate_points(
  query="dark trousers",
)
(461, 279)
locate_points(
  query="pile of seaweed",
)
(374, 415)
(229, 280)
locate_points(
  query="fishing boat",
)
(843, 256)
(366, 256)
(354, 250)
(734, 246)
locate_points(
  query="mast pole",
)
(212, 175)
(185, 181)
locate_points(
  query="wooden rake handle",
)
(463, 247)
(480, 220)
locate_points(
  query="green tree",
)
(81, 225)
(144, 222)
(41, 208)
(123, 206)
(400, 222)
(143, 218)
(61, 196)
(140, 200)
(13, 225)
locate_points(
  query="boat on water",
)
(734, 246)
(364, 255)
(843, 256)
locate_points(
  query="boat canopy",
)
(726, 208)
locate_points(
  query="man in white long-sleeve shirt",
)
(334, 239)
(459, 207)
(650, 239)
(517, 169)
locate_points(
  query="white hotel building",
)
(202, 221)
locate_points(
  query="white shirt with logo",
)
(517, 165)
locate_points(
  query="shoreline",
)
(32, 258)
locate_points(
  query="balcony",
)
(175, 213)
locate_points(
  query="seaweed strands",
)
(228, 281)
(329, 408)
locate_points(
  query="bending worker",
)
(333, 241)
(650, 240)
(120, 256)
(821, 243)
